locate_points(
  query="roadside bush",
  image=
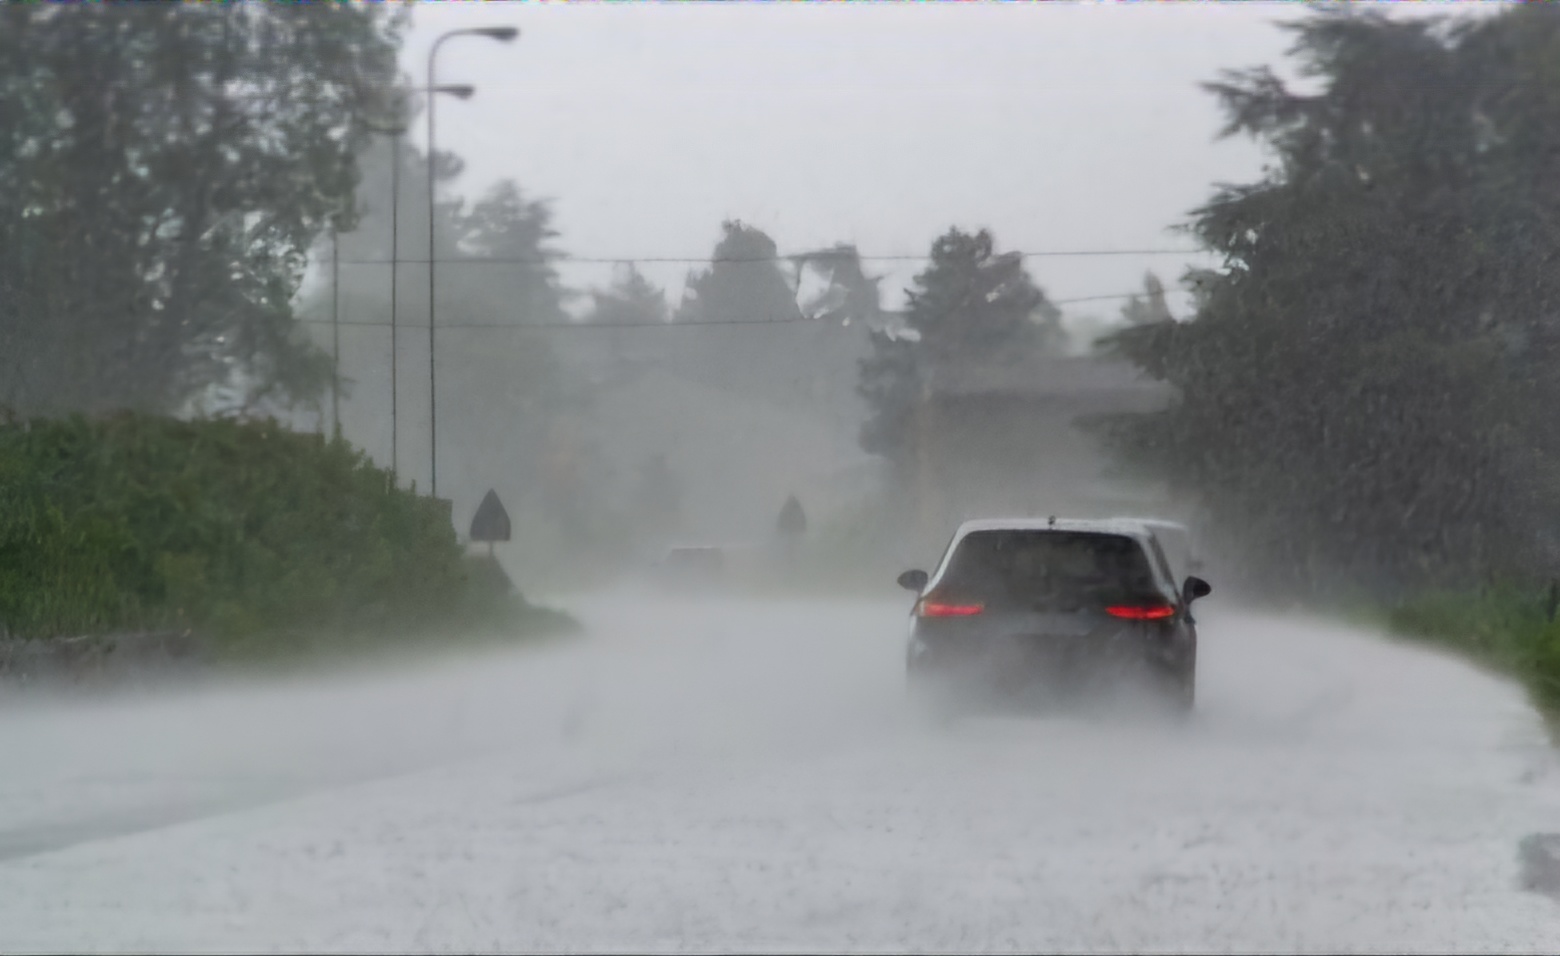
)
(1509, 628)
(242, 531)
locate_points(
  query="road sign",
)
(491, 522)
(792, 521)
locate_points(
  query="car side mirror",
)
(1195, 588)
(914, 580)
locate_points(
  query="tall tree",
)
(744, 283)
(850, 294)
(512, 272)
(630, 300)
(367, 247)
(364, 272)
(164, 169)
(971, 305)
(1149, 308)
(972, 302)
(1366, 392)
(889, 381)
(504, 387)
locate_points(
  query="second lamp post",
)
(503, 35)
(459, 91)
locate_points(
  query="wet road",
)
(745, 775)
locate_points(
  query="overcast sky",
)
(1060, 127)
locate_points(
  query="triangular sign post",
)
(491, 522)
(792, 519)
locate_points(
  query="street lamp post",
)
(503, 35)
(459, 91)
(395, 285)
(335, 331)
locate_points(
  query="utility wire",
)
(668, 324)
(825, 254)
(515, 260)
(791, 259)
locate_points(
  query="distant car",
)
(698, 566)
(1026, 611)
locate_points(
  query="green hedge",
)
(1512, 629)
(242, 531)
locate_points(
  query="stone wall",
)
(96, 659)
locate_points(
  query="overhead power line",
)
(562, 259)
(692, 323)
(1101, 298)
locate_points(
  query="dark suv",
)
(1032, 610)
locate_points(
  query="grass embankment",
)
(1510, 629)
(264, 542)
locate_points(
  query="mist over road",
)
(745, 775)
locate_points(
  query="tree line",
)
(169, 175)
(1365, 388)
(164, 171)
(168, 171)
(1369, 385)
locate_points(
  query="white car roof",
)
(1156, 523)
(1128, 526)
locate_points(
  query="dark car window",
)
(1050, 570)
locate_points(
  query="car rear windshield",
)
(1050, 570)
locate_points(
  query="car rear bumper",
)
(1025, 664)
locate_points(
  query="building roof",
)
(1048, 375)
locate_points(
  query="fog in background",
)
(643, 129)
(1073, 127)
(694, 263)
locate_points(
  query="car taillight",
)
(1132, 612)
(931, 608)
